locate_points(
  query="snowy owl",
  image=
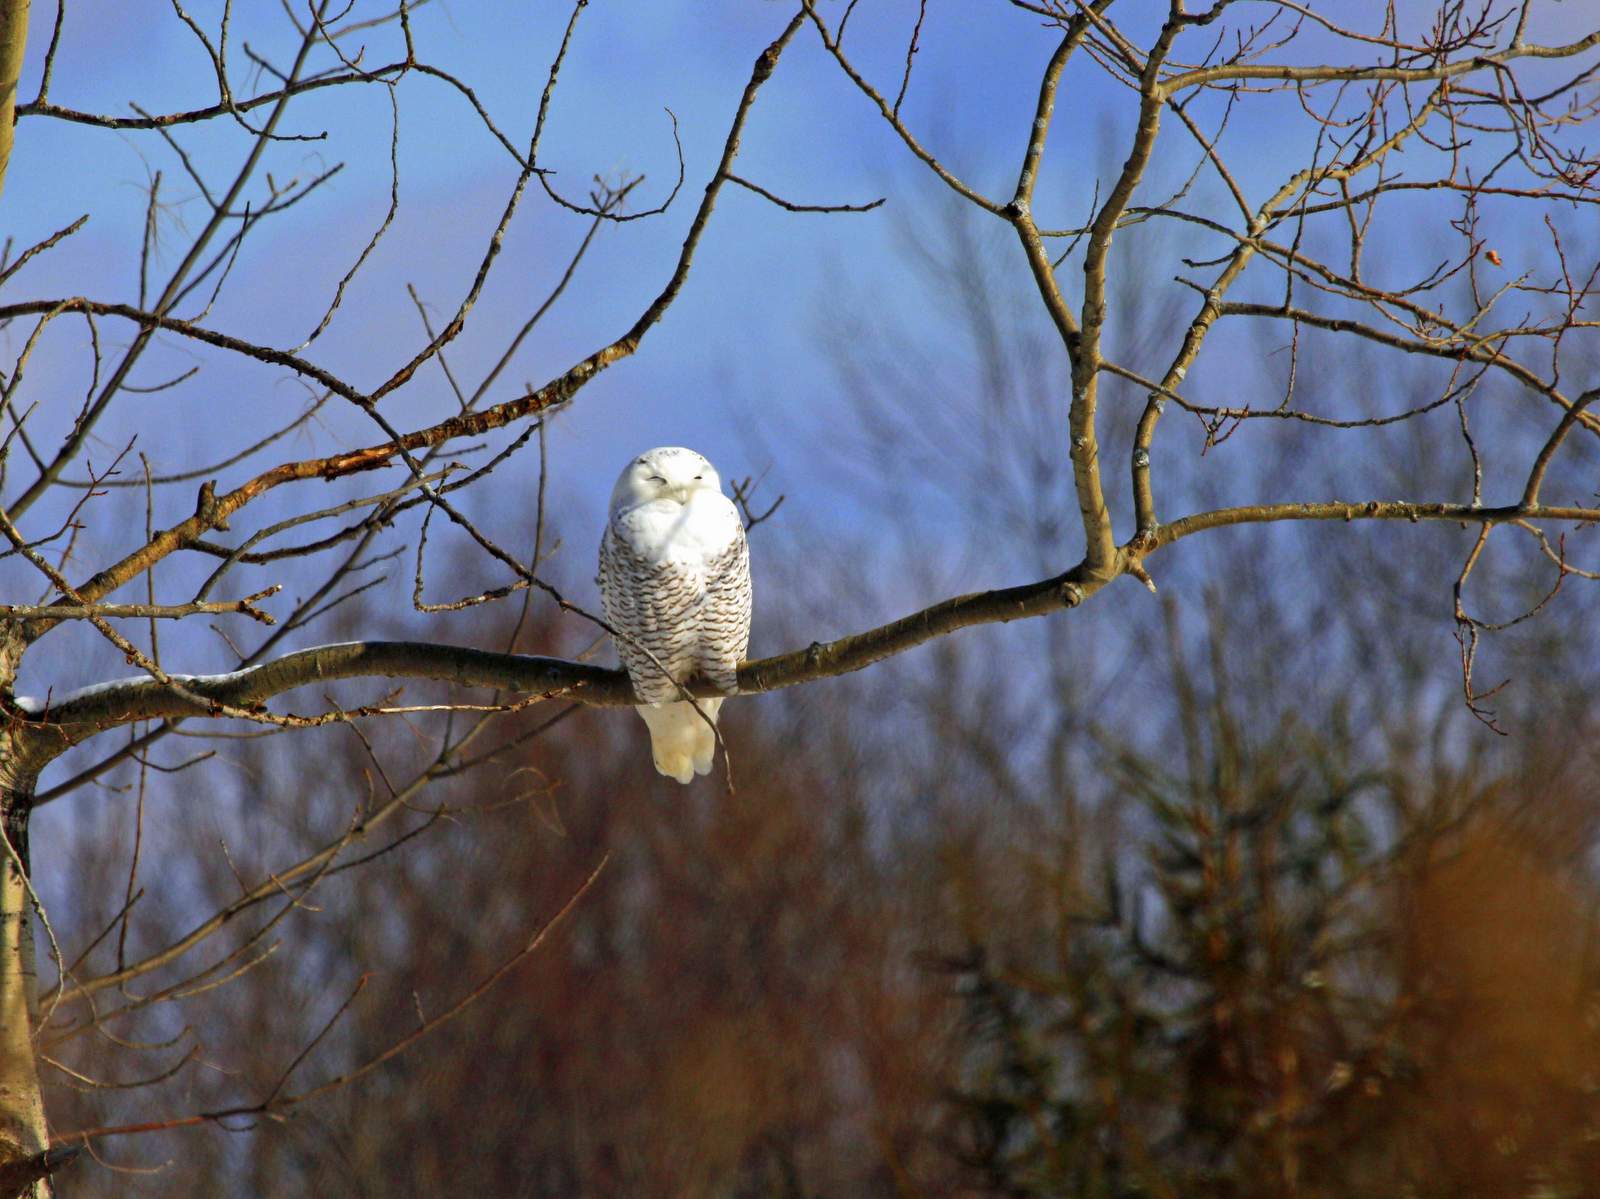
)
(675, 584)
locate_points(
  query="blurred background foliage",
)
(1219, 894)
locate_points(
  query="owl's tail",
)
(681, 741)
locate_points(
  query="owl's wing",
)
(725, 615)
(652, 605)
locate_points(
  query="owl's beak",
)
(682, 494)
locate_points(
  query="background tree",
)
(1066, 912)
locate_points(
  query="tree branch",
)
(244, 607)
(1370, 510)
(1239, 72)
(75, 717)
(47, 731)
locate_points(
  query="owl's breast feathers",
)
(692, 534)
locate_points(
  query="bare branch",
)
(244, 607)
(1234, 73)
(277, 1100)
(790, 206)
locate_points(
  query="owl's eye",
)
(697, 478)
(658, 479)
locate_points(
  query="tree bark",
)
(24, 1138)
(13, 39)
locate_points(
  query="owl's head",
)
(666, 473)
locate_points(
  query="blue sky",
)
(740, 367)
(740, 345)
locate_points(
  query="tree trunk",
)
(13, 38)
(24, 1138)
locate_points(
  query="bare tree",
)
(1489, 121)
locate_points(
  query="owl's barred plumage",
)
(675, 584)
